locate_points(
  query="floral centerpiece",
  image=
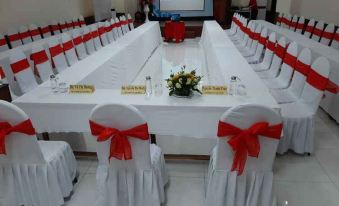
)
(182, 83)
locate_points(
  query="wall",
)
(284, 6)
(208, 9)
(14, 13)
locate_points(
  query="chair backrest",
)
(57, 54)
(22, 71)
(247, 35)
(316, 82)
(294, 23)
(14, 37)
(335, 41)
(288, 65)
(20, 148)
(25, 35)
(95, 36)
(309, 28)
(262, 43)
(69, 25)
(122, 23)
(119, 27)
(41, 62)
(114, 29)
(121, 117)
(88, 40)
(68, 47)
(251, 27)
(82, 21)
(55, 27)
(45, 30)
(270, 48)
(76, 23)
(109, 32)
(102, 33)
(125, 20)
(318, 31)
(34, 32)
(300, 25)
(278, 57)
(286, 21)
(243, 117)
(279, 19)
(256, 38)
(130, 22)
(327, 35)
(3, 43)
(63, 26)
(79, 44)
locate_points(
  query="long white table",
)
(195, 117)
(331, 101)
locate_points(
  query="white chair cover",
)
(298, 117)
(268, 56)
(95, 36)
(125, 20)
(327, 35)
(294, 23)
(22, 71)
(254, 45)
(114, 29)
(318, 30)
(287, 21)
(109, 32)
(123, 26)
(102, 33)
(57, 54)
(309, 28)
(280, 16)
(274, 69)
(130, 22)
(233, 29)
(88, 40)
(240, 34)
(14, 37)
(246, 42)
(119, 27)
(82, 21)
(284, 78)
(260, 48)
(45, 31)
(3, 43)
(68, 47)
(43, 65)
(335, 42)
(293, 92)
(76, 23)
(70, 26)
(55, 27)
(139, 181)
(255, 186)
(63, 26)
(79, 44)
(34, 32)
(25, 35)
(300, 25)
(33, 172)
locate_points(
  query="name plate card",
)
(214, 90)
(133, 89)
(81, 89)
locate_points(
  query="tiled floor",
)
(301, 180)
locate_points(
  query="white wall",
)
(14, 13)
(284, 6)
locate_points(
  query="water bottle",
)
(54, 83)
(233, 86)
(148, 86)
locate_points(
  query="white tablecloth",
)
(196, 117)
(331, 101)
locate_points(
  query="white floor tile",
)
(329, 160)
(186, 168)
(84, 192)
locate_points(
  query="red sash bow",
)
(2, 73)
(332, 87)
(246, 142)
(293, 24)
(302, 68)
(300, 26)
(77, 40)
(55, 27)
(20, 66)
(316, 80)
(280, 51)
(130, 20)
(35, 32)
(24, 35)
(317, 32)
(328, 35)
(270, 45)
(101, 30)
(263, 40)
(95, 34)
(290, 60)
(56, 50)
(87, 37)
(120, 147)
(82, 22)
(3, 42)
(309, 29)
(76, 24)
(39, 57)
(336, 36)
(256, 36)
(68, 45)
(14, 37)
(45, 30)
(24, 127)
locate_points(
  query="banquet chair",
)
(284, 78)
(246, 42)
(57, 54)
(130, 22)
(233, 29)
(301, 69)
(334, 44)
(109, 32)
(14, 37)
(68, 47)
(123, 25)
(286, 21)
(235, 177)
(268, 55)
(88, 40)
(95, 37)
(299, 116)
(130, 178)
(55, 27)
(76, 23)
(45, 30)
(278, 57)
(41, 62)
(300, 25)
(126, 24)
(102, 33)
(309, 28)
(82, 21)
(243, 32)
(25, 35)
(119, 27)
(260, 48)
(318, 31)
(34, 32)
(327, 35)
(38, 173)
(63, 26)
(114, 29)
(254, 45)
(294, 23)
(22, 71)
(3, 43)
(79, 44)
(69, 24)
(279, 19)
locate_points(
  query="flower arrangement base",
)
(183, 95)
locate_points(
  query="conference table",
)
(127, 61)
(330, 101)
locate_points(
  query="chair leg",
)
(153, 139)
(45, 136)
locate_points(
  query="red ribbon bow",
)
(120, 147)
(24, 127)
(3, 42)
(246, 142)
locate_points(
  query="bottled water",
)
(54, 83)
(148, 86)
(233, 86)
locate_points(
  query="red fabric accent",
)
(300, 26)
(302, 68)
(285, 21)
(82, 22)
(6, 128)
(130, 21)
(328, 35)
(3, 42)
(69, 25)
(309, 29)
(293, 24)
(87, 37)
(279, 19)
(280, 51)
(316, 80)
(63, 26)
(55, 27)
(317, 32)
(256, 36)
(45, 30)
(14, 37)
(20, 66)
(78, 40)
(120, 147)
(290, 60)
(101, 30)
(263, 40)
(39, 57)
(174, 31)
(246, 142)
(35, 32)
(95, 34)
(76, 24)
(56, 50)
(336, 36)
(270, 45)
(118, 24)
(24, 35)
(68, 45)
(332, 87)
(108, 28)
(2, 73)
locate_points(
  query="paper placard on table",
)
(133, 89)
(85, 89)
(214, 90)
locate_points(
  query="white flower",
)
(195, 87)
(177, 85)
(180, 80)
(169, 83)
(188, 81)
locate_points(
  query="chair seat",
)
(260, 67)
(283, 96)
